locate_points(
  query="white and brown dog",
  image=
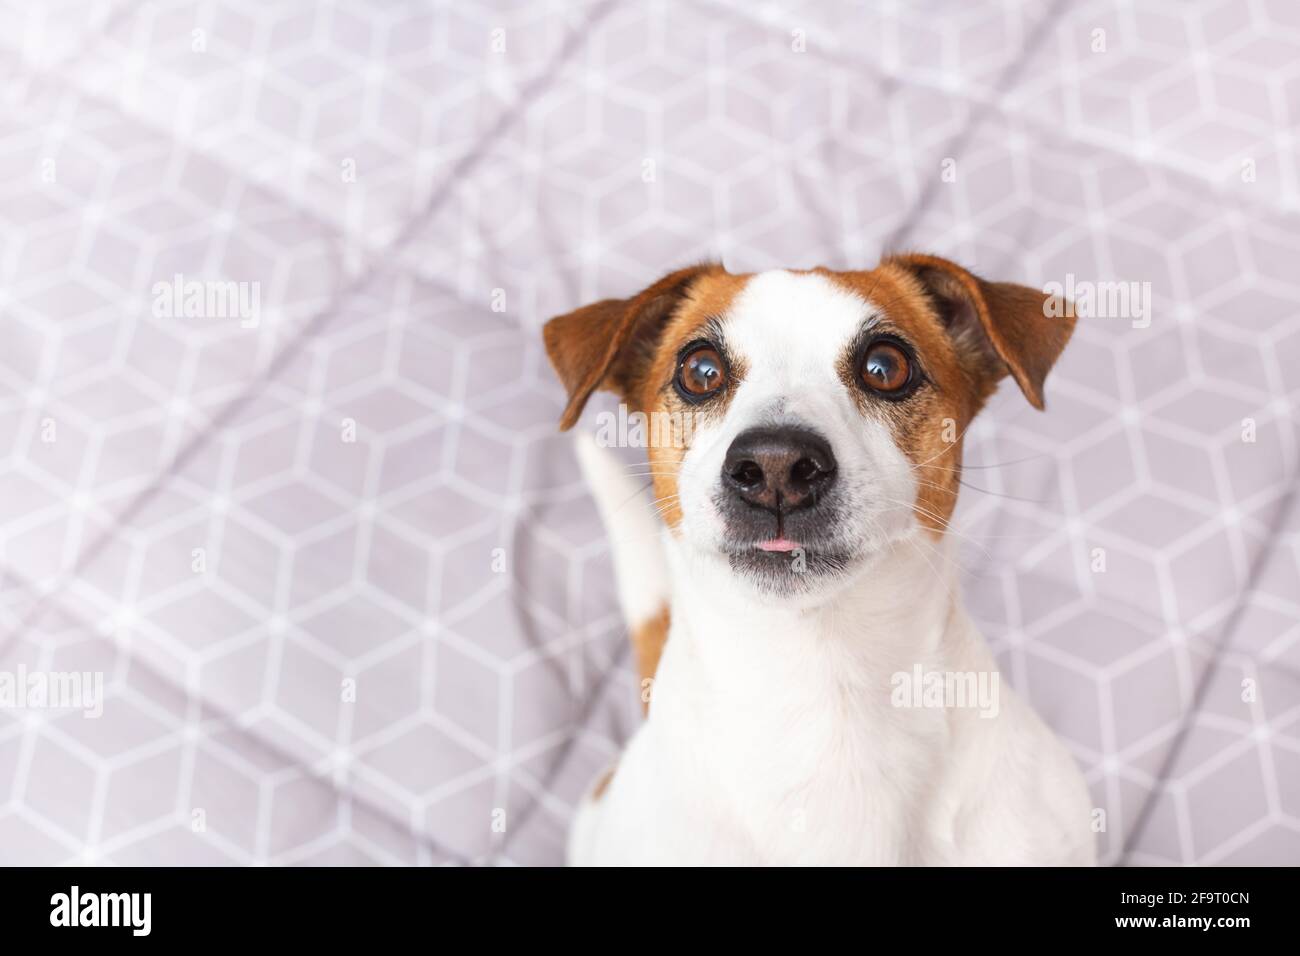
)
(793, 568)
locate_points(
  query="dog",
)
(792, 581)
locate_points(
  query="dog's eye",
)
(701, 371)
(886, 369)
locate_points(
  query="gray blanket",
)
(279, 450)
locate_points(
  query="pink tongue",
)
(777, 544)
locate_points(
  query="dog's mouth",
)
(786, 565)
(785, 552)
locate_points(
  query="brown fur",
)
(969, 334)
(648, 641)
(1013, 319)
(710, 297)
(607, 344)
(603, 783)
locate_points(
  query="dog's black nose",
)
(779, 469)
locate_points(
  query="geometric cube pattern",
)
(349, 597)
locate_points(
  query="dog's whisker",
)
(945, 523)
(987, 465)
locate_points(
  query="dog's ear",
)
(605, 344)
(1001, 326)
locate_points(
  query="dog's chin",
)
(793, 575)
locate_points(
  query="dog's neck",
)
(764, 707)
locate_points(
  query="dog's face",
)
(801, 422)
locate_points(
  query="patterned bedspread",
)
(278, 457)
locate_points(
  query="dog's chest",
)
(813, 767)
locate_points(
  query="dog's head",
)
(801, 422)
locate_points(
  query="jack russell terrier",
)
(793, 572)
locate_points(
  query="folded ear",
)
(607, 343)
(1011, 328)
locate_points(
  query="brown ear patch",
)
(1019, 329)
(576, 344)
(607, 344)
(967, 334)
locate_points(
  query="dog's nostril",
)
(747, 473)
(806, 470)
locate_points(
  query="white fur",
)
(772, 737)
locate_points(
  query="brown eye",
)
(886, 368)
(701, 373)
